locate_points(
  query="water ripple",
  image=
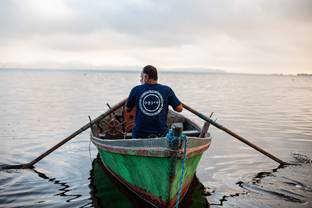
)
(40, 108)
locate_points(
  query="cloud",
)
(236, 35)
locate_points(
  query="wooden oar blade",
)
(20, 166)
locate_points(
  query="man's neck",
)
(151, 81)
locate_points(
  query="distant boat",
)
(149, 167)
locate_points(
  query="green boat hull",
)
(107, 192)
(153, 173)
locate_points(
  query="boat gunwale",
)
(152, 151)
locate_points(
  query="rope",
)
(90, 151)
(174, 141)
(90, 120)
(183, 137)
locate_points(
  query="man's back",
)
(151, 101)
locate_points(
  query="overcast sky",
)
(252, 36)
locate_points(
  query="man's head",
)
(149, 72)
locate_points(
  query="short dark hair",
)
(151, 71)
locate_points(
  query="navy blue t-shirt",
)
(151, 101)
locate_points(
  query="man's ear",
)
(145, 77)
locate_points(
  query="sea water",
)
(38, 108)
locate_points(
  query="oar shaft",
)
(85, 127)
(234, 134)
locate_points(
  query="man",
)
(151, 101)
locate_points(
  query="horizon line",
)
(197, 70)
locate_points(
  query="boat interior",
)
(119, 124)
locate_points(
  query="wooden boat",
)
(149, 167)
(108, 192)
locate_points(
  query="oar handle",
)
(85, 127)
(200, 115)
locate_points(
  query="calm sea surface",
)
(40, 108)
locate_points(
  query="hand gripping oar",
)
(85, 127)
(235, 135)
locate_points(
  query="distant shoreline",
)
(121, 70)
(165, 70)
(304, 75)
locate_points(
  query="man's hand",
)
(179, 108)
(128, 109)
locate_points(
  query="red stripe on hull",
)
(157, 153)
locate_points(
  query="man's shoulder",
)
(137, 87)
(164, 86)
(157, 87)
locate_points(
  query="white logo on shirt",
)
(151, 103)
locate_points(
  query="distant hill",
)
(303, 75)
(195, 69)
(122, 69)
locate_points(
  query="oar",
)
(85, 127)
(235, 135)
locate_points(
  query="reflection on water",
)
(32, 188)
(40, 108)
(280, 187)
(64, 187)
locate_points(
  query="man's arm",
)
(131, 100)
(174, 101)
